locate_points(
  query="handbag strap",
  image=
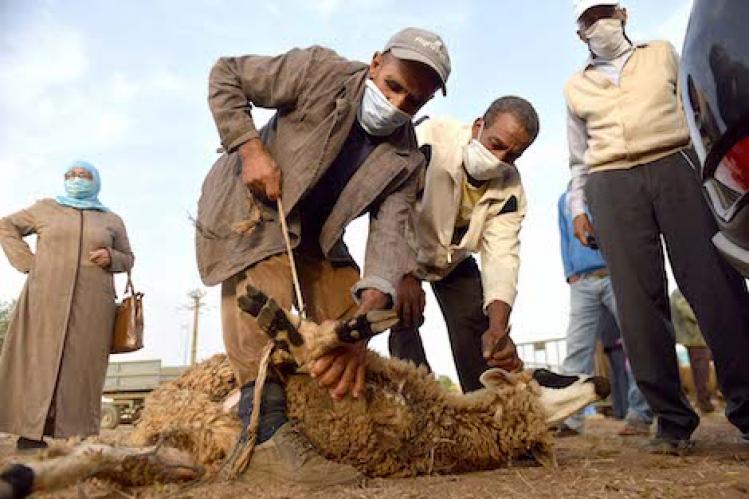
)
(129, 285)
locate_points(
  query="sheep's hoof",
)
(544, 456)
(270, 316)
(253, 301)
(365, 326)
(16, 482)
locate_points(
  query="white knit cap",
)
(582, 5)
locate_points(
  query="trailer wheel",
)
(110, 416)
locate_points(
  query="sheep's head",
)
(560, 395)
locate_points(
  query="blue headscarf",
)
(82, 193)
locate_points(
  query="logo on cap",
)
(435, 45)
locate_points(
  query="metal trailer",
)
(543, 353)
(126, 386)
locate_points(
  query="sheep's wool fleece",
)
(408, 424)
(405, 425)
(186, 413)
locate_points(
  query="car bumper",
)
(736, 255)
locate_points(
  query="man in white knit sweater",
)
(631, 160)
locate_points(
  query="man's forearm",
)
(499, 314)
(577, 139)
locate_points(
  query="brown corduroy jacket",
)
(315, 93)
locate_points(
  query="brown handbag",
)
(128, 324)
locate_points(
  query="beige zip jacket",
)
(495, 223)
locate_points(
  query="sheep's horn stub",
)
(16, 482)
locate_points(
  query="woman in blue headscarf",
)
(54, 358)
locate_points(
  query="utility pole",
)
(196, 295)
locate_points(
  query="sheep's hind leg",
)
(124, 465)
(305, 339)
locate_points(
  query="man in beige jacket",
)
(630, 159)
(472, 202)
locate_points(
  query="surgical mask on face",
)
(479, 162)
(377, 115)
(606, 39)
(79, 188)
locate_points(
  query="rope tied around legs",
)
(240, 457)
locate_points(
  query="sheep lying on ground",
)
(405, 425)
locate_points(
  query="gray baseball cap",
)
(414, 44)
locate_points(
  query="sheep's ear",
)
(496, 377)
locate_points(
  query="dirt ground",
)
(598, 464)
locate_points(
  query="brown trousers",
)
(326, 290)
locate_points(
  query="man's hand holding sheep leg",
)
(344, 369)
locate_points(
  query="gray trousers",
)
(631, 210)
(461, 298)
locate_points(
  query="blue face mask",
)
(377, 115)
(80, 188)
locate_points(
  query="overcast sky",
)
(124, 85)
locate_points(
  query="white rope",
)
(292, 263)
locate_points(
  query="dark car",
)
(715, 91)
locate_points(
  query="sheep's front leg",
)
(305, 339)
(83, 461)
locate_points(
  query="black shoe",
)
(670, 446)
(24, 443)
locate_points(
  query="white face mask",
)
(479, 162)
(377, 115)
(606, 39)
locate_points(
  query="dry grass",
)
(600, 464)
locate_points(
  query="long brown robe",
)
(54, 359)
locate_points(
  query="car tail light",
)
(733, 170)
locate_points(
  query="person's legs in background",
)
(461, 298)
(639, 417)
(619, 381)
(405, 343)
(611, 339)
(699, 362)
(585, 309)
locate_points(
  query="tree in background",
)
(447, 383)
(6, 308)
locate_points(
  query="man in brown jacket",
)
(630, 158)
(340, 145)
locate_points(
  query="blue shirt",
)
(577, 259)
